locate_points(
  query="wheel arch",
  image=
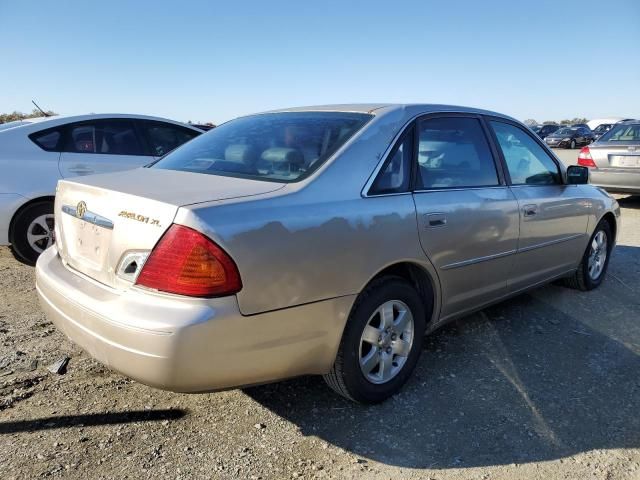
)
(27, 204)
(610, 218)
(425, 282)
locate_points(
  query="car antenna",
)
(41, 111)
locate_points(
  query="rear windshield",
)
(280, 147)
(622, 133)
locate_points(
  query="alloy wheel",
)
(40, 233)
(597, 255)
(386, 341)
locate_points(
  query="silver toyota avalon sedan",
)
(322, 240)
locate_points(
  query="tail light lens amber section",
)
(186, 262)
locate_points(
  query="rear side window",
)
(47, 140)
(622, 133)
(112, 137)
(453, 152)
(164, 137)
(526, 160)
(396, 172)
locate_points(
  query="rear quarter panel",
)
(295, 250)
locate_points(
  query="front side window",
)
(164, 137)
(453, 152)
(526, 160)
(112, 137)
(47, 140)
(280, 147)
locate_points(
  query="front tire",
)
(572, 145)
(381, 343)
(32, 231)
(595, 261)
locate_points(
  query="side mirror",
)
(577, 175)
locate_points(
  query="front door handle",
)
(530, 210)
(436, 220)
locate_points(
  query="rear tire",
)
(593, 267)
(32, 231)
(381, 343)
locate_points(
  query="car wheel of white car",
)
(594, 263)
(32, 231)
(381, 342)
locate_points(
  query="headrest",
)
(283, 155)
(240, 153)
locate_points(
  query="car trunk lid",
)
(102, 218)
(616, 156)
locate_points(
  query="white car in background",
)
(34, 155)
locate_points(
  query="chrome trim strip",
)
(89, 217)
(458, 189)
(473, 261)
(551, 242)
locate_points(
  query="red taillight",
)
(584, 158)
(188, 263)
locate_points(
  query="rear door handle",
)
(435, 220)
(81, 170)
(530, 210)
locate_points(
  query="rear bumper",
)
(9, 205)
(185, 344)
(622, 181)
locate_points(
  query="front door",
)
(467, 216)
(101, 146)
(553, 216)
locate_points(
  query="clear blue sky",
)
(212, 61)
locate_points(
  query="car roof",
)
(384, 108)
(53, 121)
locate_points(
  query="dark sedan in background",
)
(601, 129)
(543, 130)
(570, 137)
(581, 125)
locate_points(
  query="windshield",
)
(565, 131)
(280, 147)
(622, 133)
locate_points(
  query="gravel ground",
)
(546, 385)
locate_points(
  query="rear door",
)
(467, 215)
(553, 216)
(100, 146)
